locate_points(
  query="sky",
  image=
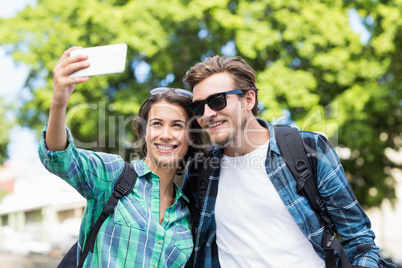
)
(11, 75)
(23, 144)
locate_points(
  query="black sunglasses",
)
(178, 91)
(216, 102)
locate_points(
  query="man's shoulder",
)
(316, 141)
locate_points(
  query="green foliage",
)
(5, 127)
(373, 121)
(308, 61)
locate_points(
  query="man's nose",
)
(208, 112)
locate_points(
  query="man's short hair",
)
(243, 75)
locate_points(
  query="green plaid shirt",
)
(132, 235)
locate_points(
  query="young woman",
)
(150, 227)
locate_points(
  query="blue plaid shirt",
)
(351, 222)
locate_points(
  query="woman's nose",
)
(166, 133)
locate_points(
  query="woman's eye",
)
(178, 125)
(156, 124)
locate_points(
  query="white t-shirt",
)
(253, 226)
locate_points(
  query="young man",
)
(251, 214)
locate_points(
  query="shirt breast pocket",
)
(130, 212)
(180, 253)
(184, 239)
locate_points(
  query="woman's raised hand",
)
(63, 85)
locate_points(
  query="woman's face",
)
(166, 135)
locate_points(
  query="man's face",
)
(223, 126)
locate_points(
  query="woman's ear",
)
(144, 135)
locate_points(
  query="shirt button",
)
(154, 264)
(159, 242)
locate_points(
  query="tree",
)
(5, 126)
(308, 61)
(376, 122)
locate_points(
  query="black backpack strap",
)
(293, 152)
(331, 244)
(203, 167)
(123, 186)
(204, 171)
(200, 169)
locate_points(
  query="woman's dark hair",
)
(196, 137)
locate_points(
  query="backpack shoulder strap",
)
(204, 171)
(200, 169)
(123, 186)
(292, 149)
(208, 164)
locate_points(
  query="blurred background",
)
(328, 66)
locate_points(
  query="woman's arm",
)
(63, 87)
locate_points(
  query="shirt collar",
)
(179, 193)
(141, 168)
(273, 145)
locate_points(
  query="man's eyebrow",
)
(194, 100)
(207, 96)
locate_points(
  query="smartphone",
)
(108, 59)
